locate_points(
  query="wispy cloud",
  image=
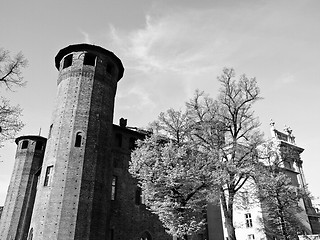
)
(85, 36)
(176, 52)
(169, 43)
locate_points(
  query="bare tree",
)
(10, 77)
(10, 69)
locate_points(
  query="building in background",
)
(250, 220)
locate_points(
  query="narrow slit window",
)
(119, 140)
(67, 62)
(48, 176)
(112, 234)
(89, 59)
(25, 144)
(50, 130)
(114, 188)
(138, 196)
(78, 141)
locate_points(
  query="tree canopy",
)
(209, 152)
(175, 175)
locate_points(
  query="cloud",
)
(86, 36)
(169, 43)
(171, 56)
(175, 52)
(285, 80)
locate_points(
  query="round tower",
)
(18, 206)
(73, 197)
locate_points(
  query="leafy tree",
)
(232, 117)
(175, 174)
(10, 77)
(210, 150)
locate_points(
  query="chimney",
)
(123, 122)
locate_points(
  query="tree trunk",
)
(227, 207)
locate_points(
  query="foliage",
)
(177, 178)
(10, 77)
(208, 150)
(231, 116)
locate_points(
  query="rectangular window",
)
(48, 177)
(114, 188)
(89, 59)
(250, 237)
(25, 144)
(248, 220)
(39, 145)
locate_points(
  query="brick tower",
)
(73, 193)
(18, 206)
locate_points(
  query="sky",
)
(170, 48)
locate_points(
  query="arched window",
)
(89, 59)
(78, 141)
(146, 236)
(30, 234)
(24, 144)
(67, 62)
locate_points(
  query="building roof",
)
(88, 47)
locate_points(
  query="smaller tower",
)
(17, 211)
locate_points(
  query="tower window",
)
(25, 144)
(39, 145)
(78, 141)
(114, 188)
(67, 62)
(112, 234)
(50, 130)
(248, 220)
(89, 59)
(48, 177)
(109, 68)
(139, 197)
